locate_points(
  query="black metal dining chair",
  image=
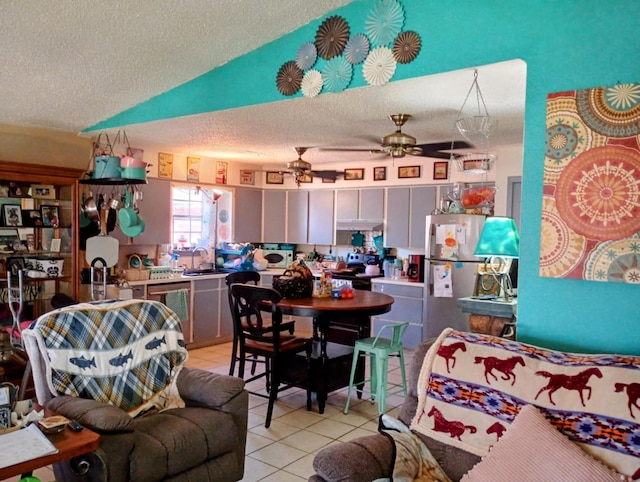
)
(249, 277)
(287, 356)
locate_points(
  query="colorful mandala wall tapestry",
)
(591, 203)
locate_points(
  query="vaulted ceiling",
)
(70, 65)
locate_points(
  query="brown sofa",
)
(368, 458)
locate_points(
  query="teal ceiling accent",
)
(250, 79)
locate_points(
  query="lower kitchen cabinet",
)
(407, 305)
(211, 314)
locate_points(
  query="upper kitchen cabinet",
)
(361, 204)
(321, 217)
(297, 216)
(347, 201)
(396, 232)
(155, 209)
(247, 208)
(422, 203)
(407, 209)
(274, 223)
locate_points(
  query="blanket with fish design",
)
(125, 353)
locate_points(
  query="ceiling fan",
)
(399, 144)
(299, 168)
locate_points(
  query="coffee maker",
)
(415, 273)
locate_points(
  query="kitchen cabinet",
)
(211, 314)
(274, 222)
(408, 299)
(155, 209)
(320, 229)
(372, 204)
(423, 202)
(247, 210)
(359, 204)
(58, 187)
(397, 226)
(347, 204)
(297, 216)
(407, 208)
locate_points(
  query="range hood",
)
(359, 225)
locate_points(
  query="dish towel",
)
(177, 302)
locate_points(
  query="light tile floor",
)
(284, 452)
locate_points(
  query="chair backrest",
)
(249, 303)
(239, 277)
(398, 330)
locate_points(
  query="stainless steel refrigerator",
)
(450, 269)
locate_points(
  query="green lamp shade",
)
(499, 237)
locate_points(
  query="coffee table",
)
(69, 444)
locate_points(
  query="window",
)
(190, 217)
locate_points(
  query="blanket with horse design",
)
(471, 387)
(125, 353)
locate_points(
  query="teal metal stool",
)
(379, 350)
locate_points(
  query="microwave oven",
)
(278, 258)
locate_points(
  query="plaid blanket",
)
(472, 386)
(126, 353)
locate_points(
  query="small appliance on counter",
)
(415, 273)
(277, 257)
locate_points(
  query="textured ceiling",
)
(68, 65)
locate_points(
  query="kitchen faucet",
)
(193, 254)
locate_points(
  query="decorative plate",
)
(384, 22)
(406, 47)
(337, 74)
(307, 55)
(289, 78)
(331, 37)
(379, 66)
(357, 49)
(311, 83)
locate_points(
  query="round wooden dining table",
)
(331, 361)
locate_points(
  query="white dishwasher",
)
(176, 296)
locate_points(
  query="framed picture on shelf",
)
(354, 174)
(380, 173)
(275, 177)
(8, 237)
(405, 172)
(440, 170)
(43, 191)
(329, 180)
(12, 215)
(306, 178)
(247, 177)
(31, 217)
(50, 216)
(55, 245)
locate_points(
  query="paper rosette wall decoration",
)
(406, 47)
(337, 74)
(307, 55)
(331, 37)
(289, 78)
(356, 49)
(384, 22)
(311, 83)
(379, 66)
(591, 203)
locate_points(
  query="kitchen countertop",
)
(182, 278)
(402, 281)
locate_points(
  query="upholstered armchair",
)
(118, 368)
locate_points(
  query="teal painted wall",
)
(569, 44)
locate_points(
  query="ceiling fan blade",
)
(434, 154)
(352, 149)
(328, 174)
(443, 146)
